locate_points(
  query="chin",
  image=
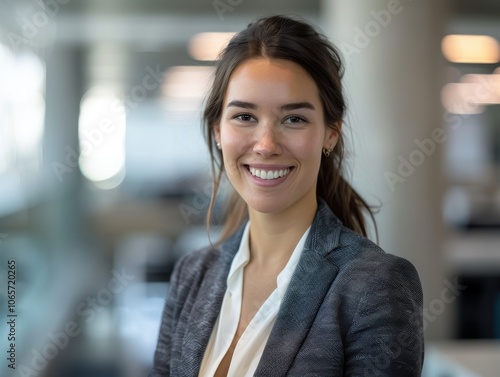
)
(269, 206)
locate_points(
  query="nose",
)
(267, 141)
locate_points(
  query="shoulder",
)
(359, 263)
(379, 298)
(370, 278)
(362, 268)
(356, 254)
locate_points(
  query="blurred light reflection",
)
(471, 49)
(23, 110)
(101, 134)
(208, 46)
(187, 82)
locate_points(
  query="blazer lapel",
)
(207, 307)
(309, 284)
(306, 291)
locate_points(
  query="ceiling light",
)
(487, 88)
(460, 98)
(187, 82)
(207, 46)
(471, 49)
(101, 133)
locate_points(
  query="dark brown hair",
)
(280, 37)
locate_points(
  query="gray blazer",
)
(350, 310)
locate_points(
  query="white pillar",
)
(393, 78)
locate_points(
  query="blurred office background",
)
(105, 179)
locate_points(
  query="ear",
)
(332, 135)
(216, 130)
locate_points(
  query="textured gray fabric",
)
(350, 310)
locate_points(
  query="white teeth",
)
(269, 174)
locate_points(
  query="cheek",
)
(228, 136)
(233, 144)
(307, 148)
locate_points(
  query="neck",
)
(273, 237)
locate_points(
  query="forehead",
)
(272, 81)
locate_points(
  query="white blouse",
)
(251, 344)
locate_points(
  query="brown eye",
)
(294, 120)
(244, 117)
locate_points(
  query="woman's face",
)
(272, 132)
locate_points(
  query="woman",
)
(294, 288)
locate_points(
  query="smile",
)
(268, 174)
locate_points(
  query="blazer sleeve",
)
(161, 363)
(385, 335)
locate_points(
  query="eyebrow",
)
(245, 105)
(298, 105)
(287, 107)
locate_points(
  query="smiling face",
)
(272, 132)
